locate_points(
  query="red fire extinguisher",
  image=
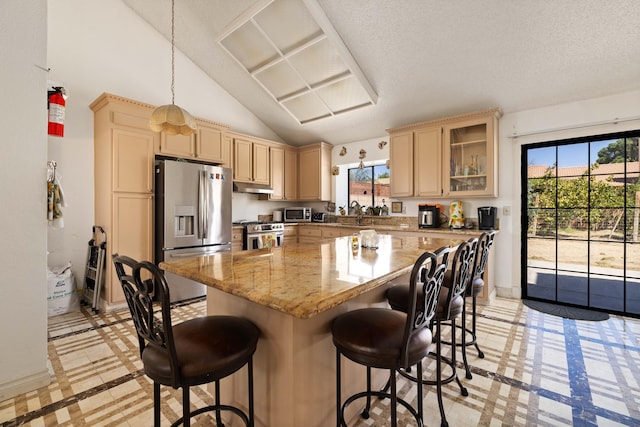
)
(56, 111)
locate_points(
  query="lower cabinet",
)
(309, 234)
(237, 239)
(290, 234)
(131, 235)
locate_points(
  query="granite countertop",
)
(397, 227)
(304, 280)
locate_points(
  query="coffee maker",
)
(428, 216)
(487, 217)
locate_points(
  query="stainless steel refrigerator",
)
(192, 216)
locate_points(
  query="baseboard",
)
(25, 384)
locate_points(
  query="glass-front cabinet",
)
(470, 158)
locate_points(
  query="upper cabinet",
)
(314, 183)
(212, 144)
(290, 174)
(470, 158)
(208, 144)
(449, 157)
(251, 161)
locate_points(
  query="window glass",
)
(369, 186)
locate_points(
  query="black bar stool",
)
(194, 352)
(388, 339)
(450, 305)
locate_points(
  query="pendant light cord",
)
(173, 52)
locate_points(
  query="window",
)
(369, 186)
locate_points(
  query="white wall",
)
(23, 286)
(98, 46)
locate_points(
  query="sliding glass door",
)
(581, 208)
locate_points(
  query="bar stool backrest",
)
(425, 283)
(461, 271)
(484, 246)
(145, 285)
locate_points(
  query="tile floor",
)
(538, 370)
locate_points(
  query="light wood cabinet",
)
(332, 232)
(132, 232)
(284, 173)
(277, 173)
(182, 146)
(207, 144)
(314, 172)
(290, 233)
(428, 162)
(250, 160)
(212, 145)
(401, 164)
(415, 163)
(471, 152)
(132, 159)
(123, 183)
(428, 159)
(237, 239)
(309, 234)
(290, 174)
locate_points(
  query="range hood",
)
(250, 187)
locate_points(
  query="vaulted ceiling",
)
(430, 58)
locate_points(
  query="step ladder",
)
(94, 272)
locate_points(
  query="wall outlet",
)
(506, 210)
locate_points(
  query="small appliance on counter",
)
(428, 216)
(318, 217)
(301, 214)
(456, 216)
(487, 218)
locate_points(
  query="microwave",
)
(297, 214)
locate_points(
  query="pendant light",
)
(170, 118)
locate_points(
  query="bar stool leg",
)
(443, 417)
(156, 404)
(473, 329)
(186, 406)
(367, 407)
(464, 344)
(250, 375)
(339, 421)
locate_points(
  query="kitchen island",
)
(293, 293)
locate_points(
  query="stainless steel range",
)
(257, 235)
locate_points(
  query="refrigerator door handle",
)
(201, 205)
(207, 195)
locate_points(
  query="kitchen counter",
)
(303, 280)
(293, 293)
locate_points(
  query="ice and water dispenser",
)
(184, 219)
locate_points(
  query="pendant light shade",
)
(170, 118)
